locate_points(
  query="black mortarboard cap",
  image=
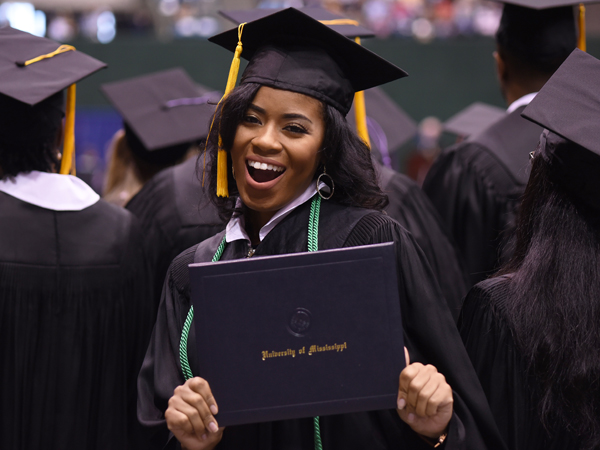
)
(545, 4)
(542, 37)
(569, 103)
(292, 51)
(348, 27)
(569, 106)
(37, 81)
(473, 119)
(385, 116)
(33, 69)
(163, 110)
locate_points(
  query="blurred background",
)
(445, 45)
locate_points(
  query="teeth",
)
(264, 166)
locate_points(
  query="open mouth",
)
(263, 172)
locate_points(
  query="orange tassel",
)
(360, 113)
(222, 184)
(68, 158)
(581, 45)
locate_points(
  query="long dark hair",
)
(554, 305)
(346, 157)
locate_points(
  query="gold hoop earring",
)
(332, 187)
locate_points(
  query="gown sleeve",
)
(161, 369)
(469, 205)
(431, 336)
(490, 346)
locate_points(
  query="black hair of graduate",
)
(28, 135)
(554, 304)
(346, 157)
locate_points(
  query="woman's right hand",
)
(190, 416)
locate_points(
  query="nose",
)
(267, 139)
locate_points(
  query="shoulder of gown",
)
(175, 213)
(412, 209)
(475, 196)
(486, 332)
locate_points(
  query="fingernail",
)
(401, 403)
(411, 417)
(213, 409)
(204, 437)
(213, 427)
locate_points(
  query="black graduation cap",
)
(389, 125)
(33, 69)
(162, 110)
(543, 35)
(569, 106)
(38, 80)
(544, 4)
(379, 104)
(348, 27)
(569, 103)
(291, 50)
(473, 119)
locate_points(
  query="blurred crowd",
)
(65, 20)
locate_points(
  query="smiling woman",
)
(276, 151)
(283, 131)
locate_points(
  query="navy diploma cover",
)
(300, 335)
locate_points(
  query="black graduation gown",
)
(175, 214)
(412, 209)
(75, 319)
(487, 335)
(430, 336)
(476, 188)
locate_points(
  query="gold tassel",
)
(360, 112)
(340, 22)
(581, 22)
(58, 51)
(68, 159)
(222, 184)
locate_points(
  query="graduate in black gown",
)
(281, 135)
(165, 114)
(75, 314)
(385, 128)
(532, 332)
(476, 185)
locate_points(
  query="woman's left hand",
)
(425, 400)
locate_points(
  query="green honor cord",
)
(313, 246)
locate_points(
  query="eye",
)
(296, 128)
(251, 119)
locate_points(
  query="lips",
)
(263, 172)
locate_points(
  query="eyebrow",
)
(260, 110)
